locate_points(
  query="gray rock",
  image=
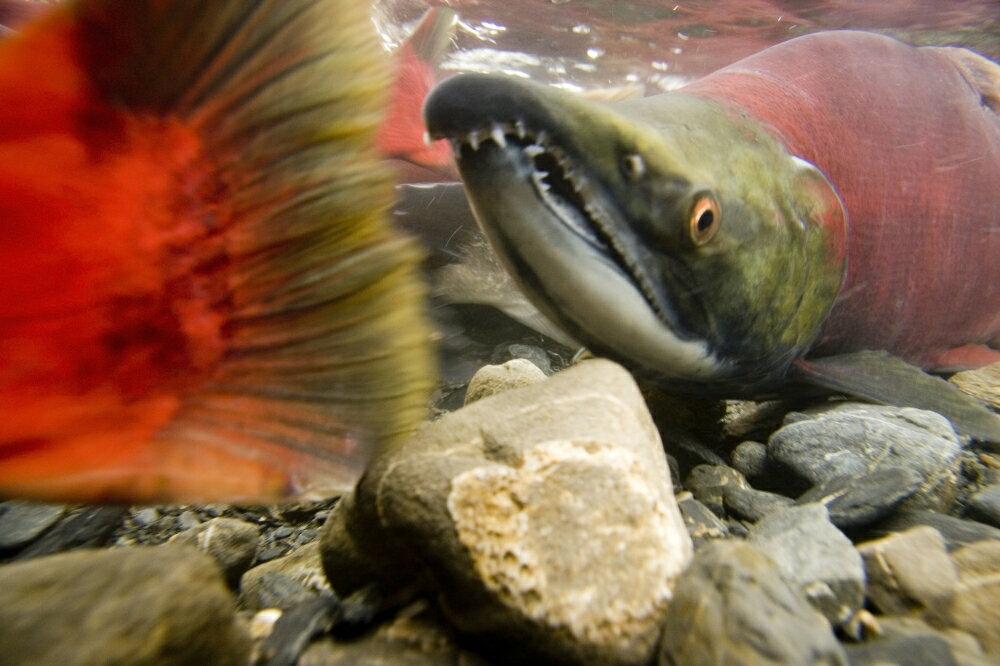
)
(909, 640)
(492, 379)
(82, 527)
(733, 607)
(414, 638)
(852, 439)
(912, 649)
(536, 355)
(957, 532)
(964, 646)
(814, 556)
(750, 459)
(22, 522)
(145, 517)
(701, 523)
(909, 571)
(752, 505)
(162, 605)
(231, 543)
(984, 506)
(975, 607)
(856, 501)
(285, 581)
(542, 516)
(295, 628)
(708, 483)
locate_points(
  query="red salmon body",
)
(913, 149)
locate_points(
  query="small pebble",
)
(708, 484)
(188, 520)
(271, 552)
(750, 458)
(984, 506)
(145, 517)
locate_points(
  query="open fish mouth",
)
(556, 182)
(567, 192)
(545, 209)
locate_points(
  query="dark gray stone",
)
(536, 355)
(752, 505)
(856, 501)
(85, 527)
(285, 581)
(957, 532)
(815, 556)
(275, 590)
(708, 484)
(852, 439)
(905, 639)
(917, 649)
(984, 506)
(415, 637)
(295, 628)
(232, 544)
(158, 606)
(733, 607)
(22, 522)
(701, 523)
(750, 459)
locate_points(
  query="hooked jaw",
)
(544, 206)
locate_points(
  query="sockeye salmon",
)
(202, 295)
(824, 212)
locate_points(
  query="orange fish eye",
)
(704, 220)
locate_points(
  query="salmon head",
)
(663, 232)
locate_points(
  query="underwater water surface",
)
(655, 46)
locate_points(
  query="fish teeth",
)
(496, 133)
(428, 141)
(539, 178)
(522, 131)
(534, 150)
(474, 140)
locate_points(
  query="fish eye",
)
(704, 220)
(633, 166)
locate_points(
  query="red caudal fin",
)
(401, 136)
(202, 296)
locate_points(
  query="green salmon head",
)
(663, 232)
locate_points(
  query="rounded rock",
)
(492, 379)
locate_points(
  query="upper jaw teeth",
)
(500, 134)
(586, 216)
